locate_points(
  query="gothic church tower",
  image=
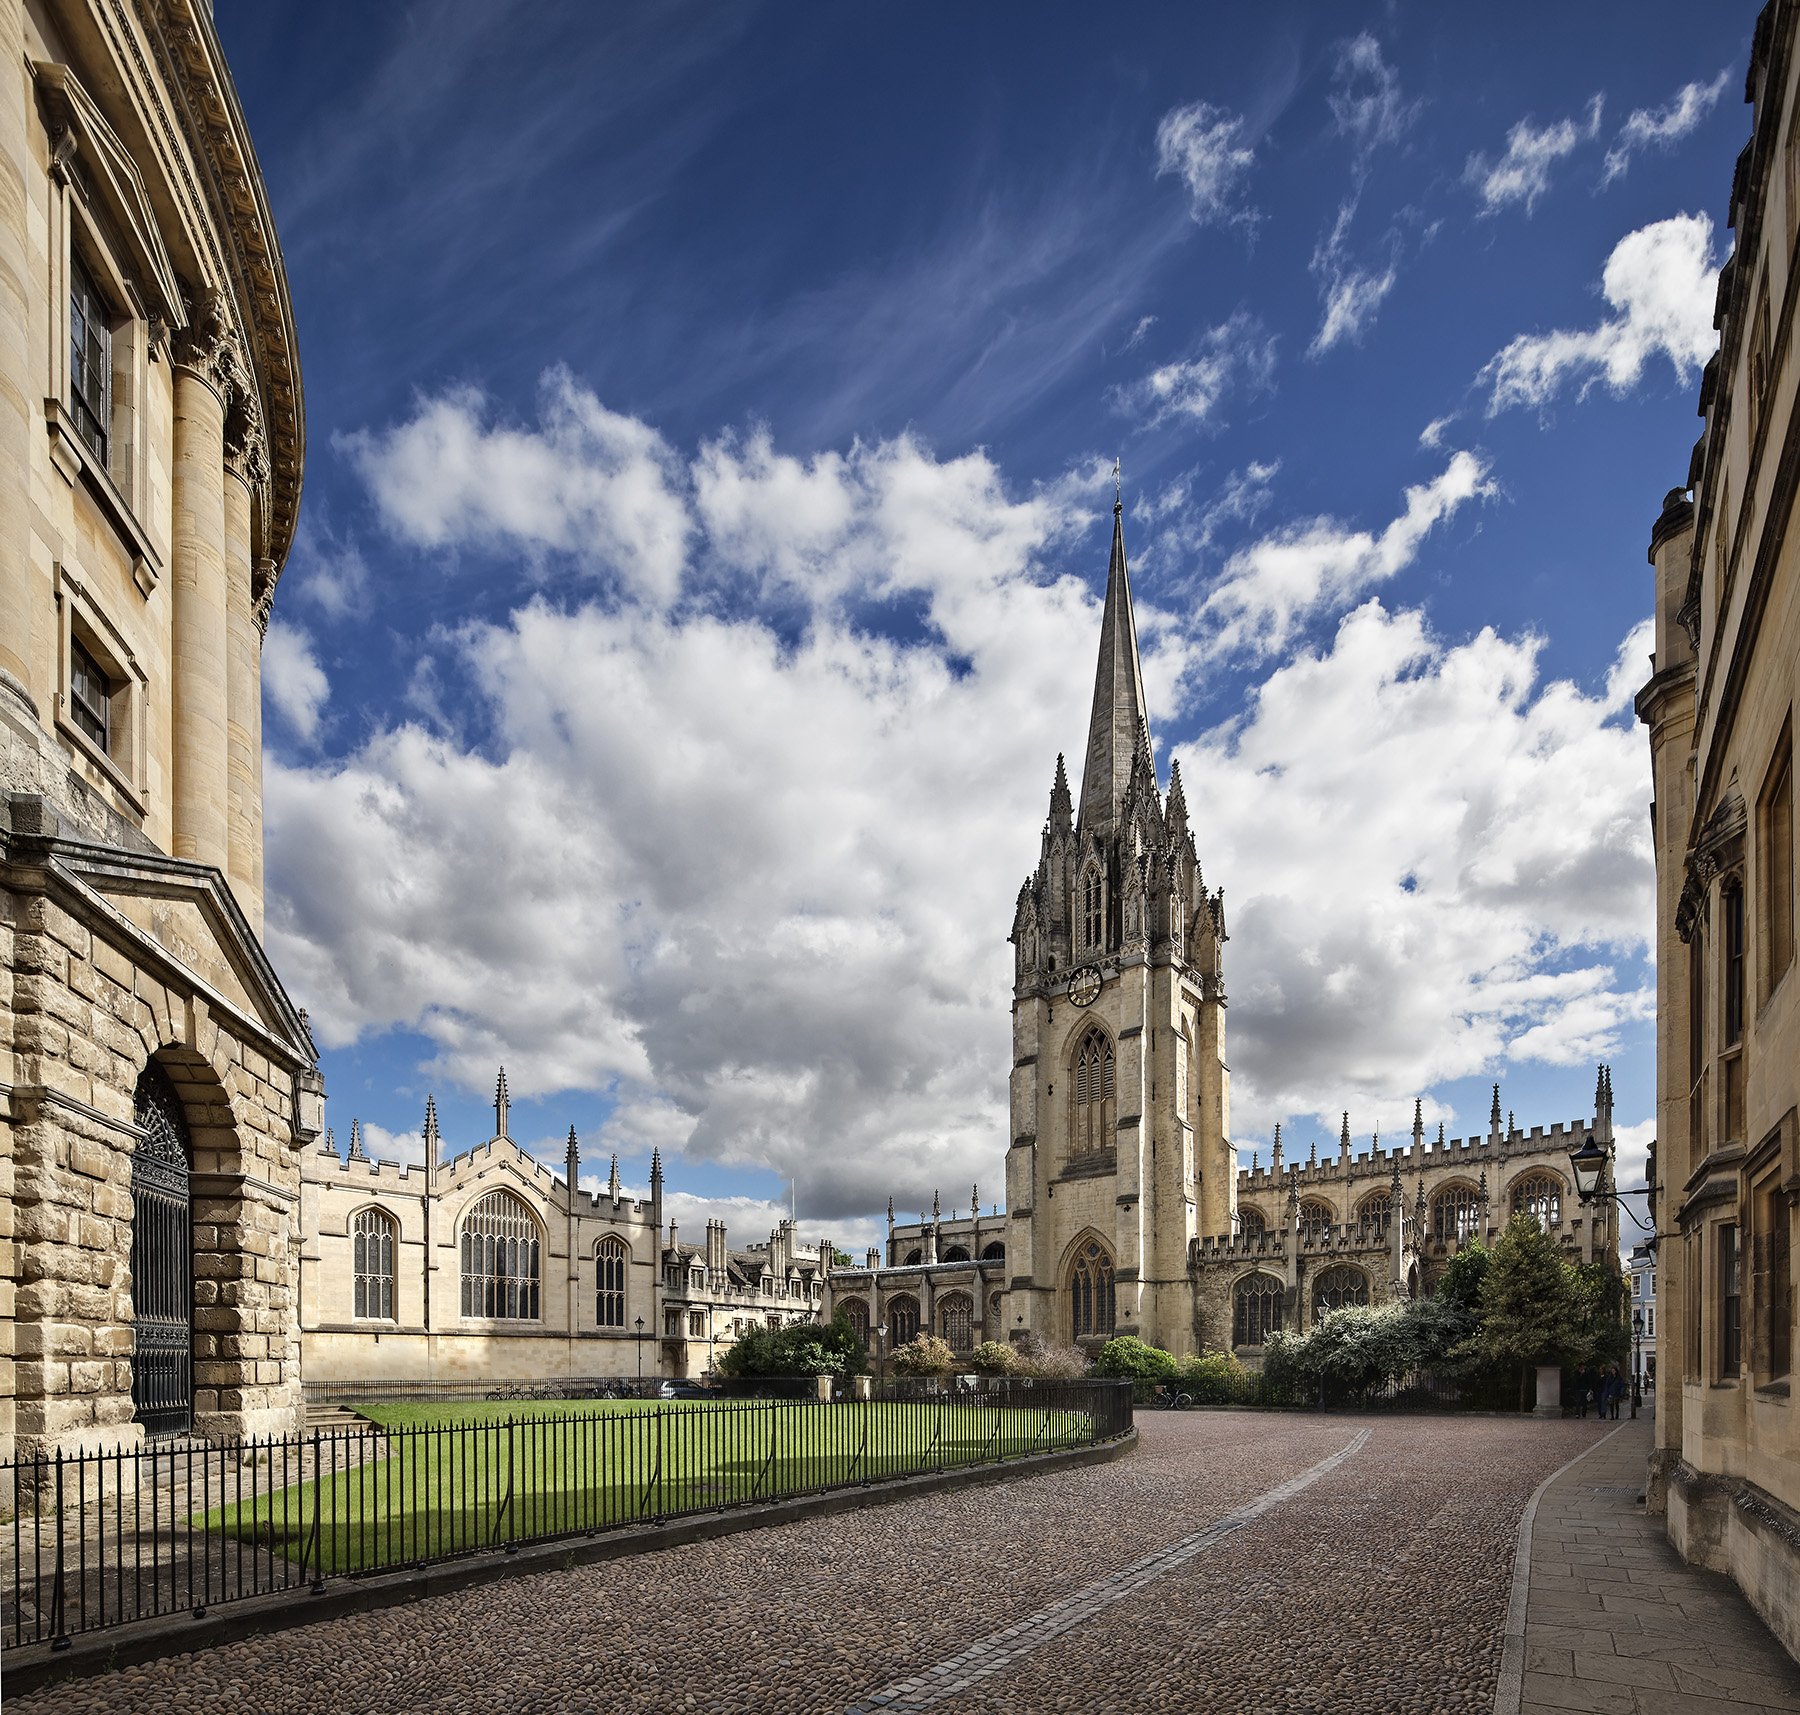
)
(1120, 1093)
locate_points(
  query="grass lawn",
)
(463, 1476)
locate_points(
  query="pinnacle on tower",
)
(574, 1154)
(1277, 1157)
(1312, 1154)
(1494, 1112)
(1511, 1129)
(433, 1149)
(501, 1104)
(1344, 1134)
(612, 1179)
(356, 1143)
(890, 1214)
(1062, 807)
(655, 1171)
(975, 1200)
(937, 1209)
(1118, 714)
(1440, 1134)
(329, 1142)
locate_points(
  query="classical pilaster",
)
(246, 472)
(204, 371)
(16, 413)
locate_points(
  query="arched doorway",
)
(162, 1259)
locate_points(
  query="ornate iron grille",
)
(162, 1262)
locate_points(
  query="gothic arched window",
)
(1251, 1225)
(956, 1253)
(1091, 1292)
(1093, 909)
(956, 1318)
(1337, 1289)
(500, 1260)
(914, 1257)
(996, 1252)
(1092, 1095)
(372, 1263)
(1315, 1220)
(856, 1313)
(903, 1320)
(1377, 1211)
(612, 1256)
(1455, 1213)
(1255, 1309)
(1539, 1195)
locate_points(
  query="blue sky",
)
(710, 416)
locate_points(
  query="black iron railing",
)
(100, 1539)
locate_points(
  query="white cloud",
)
(1431, 437)
(1270, 588)
(1238, 355)
(1366, 105)
(1144, 325)
(1352, 294)
(1432, 863)
(1204, 146)
(1659, 127)
(585, 482)
(1661, 282)
(1522, 174)
(294, 683)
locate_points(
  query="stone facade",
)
(1720, 711)
(394, 1289)
(151, 439)
(1127, 1211)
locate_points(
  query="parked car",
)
(683, 1390)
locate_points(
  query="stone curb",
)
(1510, 1691)
(34, 1666)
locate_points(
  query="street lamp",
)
(881, 1354)
(1637, 1359)
(1588, 1163)
(640, 1347)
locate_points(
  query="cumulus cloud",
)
(1660, 282)
(1269, 589)
(584, 482)
(1660, 127)
(1205, 147)
(1522, 174)
(752, 881)
(1432, 861)
(294, 684)
(1236, 356)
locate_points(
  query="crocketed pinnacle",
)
(1119, 709)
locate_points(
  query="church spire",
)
(1062, 807)
(1119, 709)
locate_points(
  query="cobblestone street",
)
(1236, 1562)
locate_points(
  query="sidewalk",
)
(1613, 1621)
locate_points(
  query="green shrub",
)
(1213, 1378)
(1130, 1359)
(924, 1355)
(994, 1358)
(802, 1349)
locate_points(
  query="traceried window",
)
(956, 1317)
(90, 695)
(372, 1263)
(1251, 1225)
(1092, 1097)
(996, 1252)
(1776, 867)
(903, 1320)
(1093, 897)
(612, 1256)
(1455, 1213)
(956, 1253)
(1255, 1309)
(1091, 1293)
(1315, 1221)
(1376, 1211)
(1539, 1195)
(1338, 1289)
(856, 1313)
(90, 361)
(501, 1254)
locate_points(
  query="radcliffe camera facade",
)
(161, 1084)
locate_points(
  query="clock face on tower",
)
(1084, 986)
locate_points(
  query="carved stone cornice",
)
(246, 251)
(1718, 849)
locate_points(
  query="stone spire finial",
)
(1344, 1132)
(656, 1173)
(1494, 1112)
(501, 1106)
(433, 1146)
(1482, 1187)
(356, 1142)
(572, 1158)
(1418, 1122)
(975, 1200)
(613, 1188)
(328, 1143)
(890, 1214)
(1062, 806)
(1276, 1156)
(1118, 711)
(1511, 1129)
(1177, 812)
(937, 1209)
(1440, 1134)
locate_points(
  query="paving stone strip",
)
(1005, 1649)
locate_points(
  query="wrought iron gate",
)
(162, 1265)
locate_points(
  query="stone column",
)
(17, 405)
(200, 603)
(243, 680)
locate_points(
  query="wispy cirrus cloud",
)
(1365, 100)
(1237, 356)
(1661, 127)
(1207, 148)
(1522, 173)
(1660, 282)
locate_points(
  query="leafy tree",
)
(800, 1349)
(994, 1358)
(1601, 1297)
(1530, 1311)
(1460, 1287)
(1131, 1359)
(924, 1355)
